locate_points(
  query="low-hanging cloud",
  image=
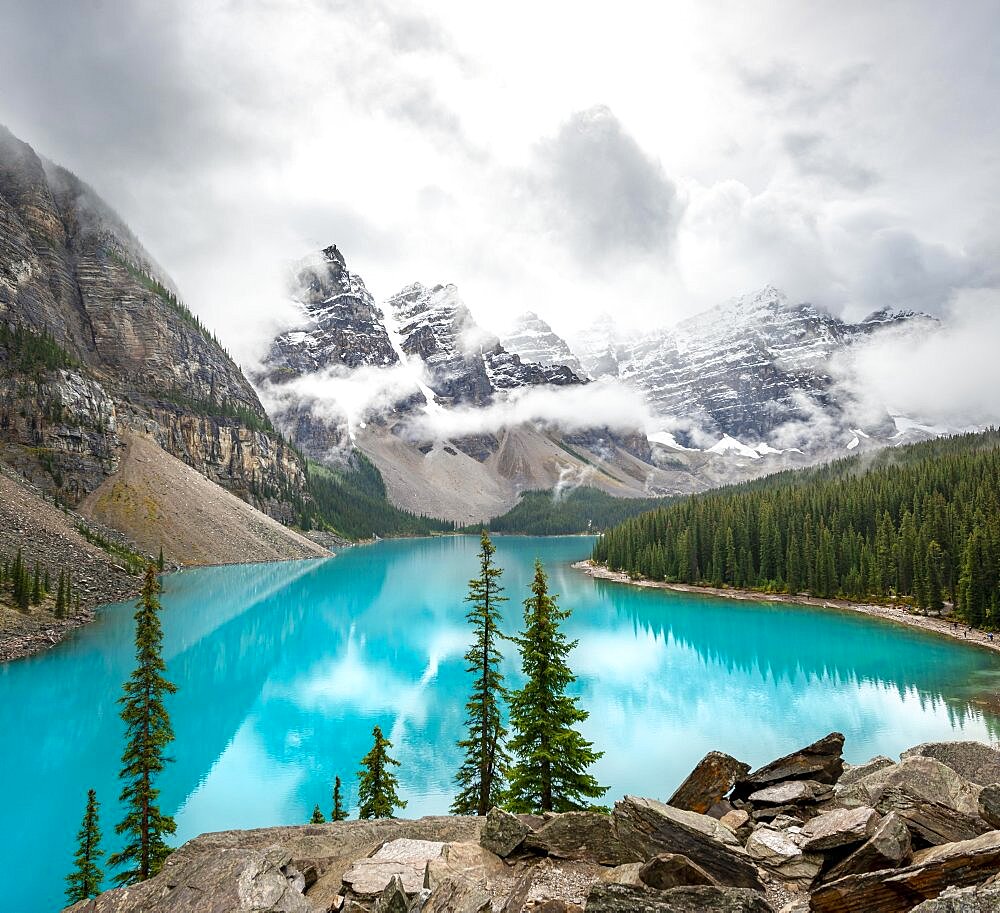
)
(948, 378)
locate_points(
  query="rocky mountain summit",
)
(97, 338)
(806, 832)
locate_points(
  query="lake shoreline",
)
(896, 614)
(26, 635)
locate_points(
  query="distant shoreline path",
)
(896, 614)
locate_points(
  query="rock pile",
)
(803, 833)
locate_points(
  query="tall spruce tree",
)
(552, 757)
(481, 777)
(339, 812)
(85, 880)
(376, 782)
(148, 732)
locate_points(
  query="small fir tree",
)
(550, 773)
(317, 816)
(339, 812)
(159, 561)
(481, 777)
(376, 782)
(61, 595)
(148, 731)
(85, 880)
(36, 586)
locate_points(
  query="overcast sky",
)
(569, 158)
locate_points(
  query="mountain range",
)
(460, 421)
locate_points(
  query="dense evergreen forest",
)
(582, 510)
(919, 523)
(353, 502)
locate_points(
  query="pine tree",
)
(481, 777)
(61, 595)
(85, 880)
(317, 816)
(36, 586)
(148, 731)
(376, 782)
(159, 561)
(550, 773)
(339, 812)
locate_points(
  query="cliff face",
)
(105, 342)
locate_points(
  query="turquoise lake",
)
(283, 669)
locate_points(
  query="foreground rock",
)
(820, 762)
(963, 864)
(878, 844)
(974, 761)
(618, 898)
(711, 780)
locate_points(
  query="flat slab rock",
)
(622, 898)
(791, 792)
(841, 827)
(712, 779)
(403, 857)
(821, 761)
(958, 865)
(888, 847)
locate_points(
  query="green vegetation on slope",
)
(582, 510)
(353, 502)
(920, 523)
(28, 351)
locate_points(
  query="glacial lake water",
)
(283, 669)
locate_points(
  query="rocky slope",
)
(806, 832)
(120, 350)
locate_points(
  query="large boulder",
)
(974, 761)
(503, 832)
(939, 805)
(982, 899)
(590, 836)
(670, 870)
(778, 852)
(620, 898)
(457, 895)
(838, 828)
(467, 861)
(394, 898)
(962, 864)
(711, 780)
(889, 846)
(922, 778)
(647, 827)
(821, 761)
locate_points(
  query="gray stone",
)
(590, 836)
(889, 846)
(670, 870)
(841, 827)
(778, 852)
(468, 861)
(621, 898)
(791, 792)
(980, 899)
(503, 832)
(712, 779)
(852, 773)
(394, 898)
(922, 778)
(402, 857)
(735, 820)
(456, 895)
(647, 827)
(974, 761)
(989, 805)
(821, 761)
